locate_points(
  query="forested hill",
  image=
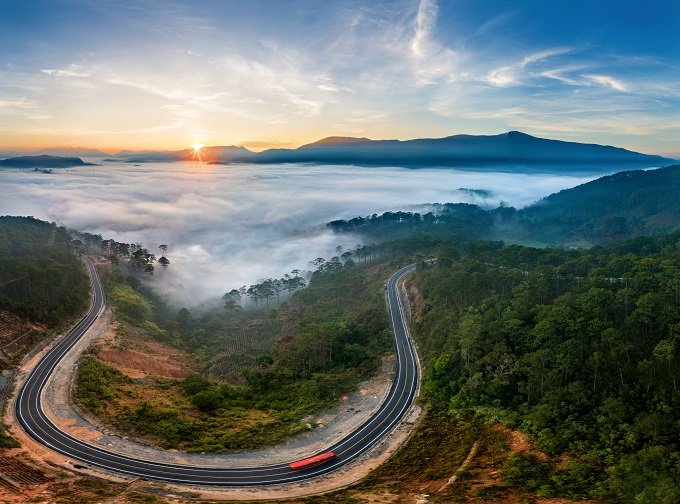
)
(43, 161)
(625, 204)
(616, 207)
(41, 278)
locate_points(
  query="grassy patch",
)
(285, 363)
(175, 413)
(7, 441)
(98, 384)
(130, 305)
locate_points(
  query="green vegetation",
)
(616, 207)
(326, 338)
(41, 279)
(578, 348)
(434, 452)
(7, 441)
(137, 259)
(451, 218)
(97, 383)
(129, 304)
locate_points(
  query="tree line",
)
(135, 255)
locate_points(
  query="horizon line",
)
(257, 146)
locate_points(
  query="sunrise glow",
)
(262, 76)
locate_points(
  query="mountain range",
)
(513, 150)
(513, 147)
(458, 150)
(217, 154)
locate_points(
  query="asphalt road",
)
(32, 418)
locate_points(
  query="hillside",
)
(577, 348)
(43, 161)
(41, 278)
(617, 206)
(42, 286)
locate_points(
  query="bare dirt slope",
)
(138, 357)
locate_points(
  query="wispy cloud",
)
(544, 55)
(432, 60)
(425, 21)
(399, 68)
(18, 102)
(563, 74)
(70, 71)
(608, 81)
(516, 73)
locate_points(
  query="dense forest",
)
(442, 219)
(615, 207)
(41, 278)
(578, 348)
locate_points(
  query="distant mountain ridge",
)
(458, 150)
(43, 161)
(215, 154)
(508, 148)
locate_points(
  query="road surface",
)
(33, 419)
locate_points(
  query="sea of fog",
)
(228, 226)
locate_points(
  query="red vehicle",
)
(312, 461)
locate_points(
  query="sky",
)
(162, 74)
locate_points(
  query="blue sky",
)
(161, 74)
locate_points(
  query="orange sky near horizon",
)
(46, 142)
(154, 75)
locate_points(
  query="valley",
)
(204, 388)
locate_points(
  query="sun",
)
(197, 147)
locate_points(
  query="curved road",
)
(32, 418)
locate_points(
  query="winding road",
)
(35, 422)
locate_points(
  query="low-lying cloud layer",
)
(235, 225)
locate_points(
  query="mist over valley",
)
(235, 225)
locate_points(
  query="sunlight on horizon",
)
(212, 72)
